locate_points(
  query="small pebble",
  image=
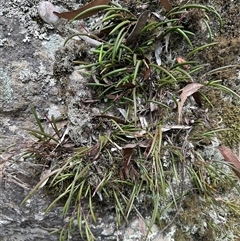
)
(45, 11)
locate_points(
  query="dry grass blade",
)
(231, 158)
(166, 4)
(186, 92)
(73, 14)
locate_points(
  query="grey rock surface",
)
(28, 222)
(27, 49)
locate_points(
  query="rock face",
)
(27, 48)
(28, 222)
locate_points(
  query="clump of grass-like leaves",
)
(147, 148)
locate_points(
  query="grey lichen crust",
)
(5, 87)
(27, 17)
(79, 114)
(74, 91)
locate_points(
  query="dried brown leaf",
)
(94, 151)
(166, 4)
(129, 169)
(130, 146)
(146, 143)
(141, 22)
(230, 158)
(74, 13)
(181, 60)
(147, 71)
(186, 92)
(127, 154)
(127, 86)
(133, 173)
(198, 99)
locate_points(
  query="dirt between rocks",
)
(28, 62)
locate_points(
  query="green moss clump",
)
(231, 120)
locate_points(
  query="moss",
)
(198, 221)
(194, 210)
(231, 120)
(180, 235)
